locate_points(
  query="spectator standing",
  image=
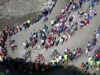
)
(90, 61)
(83, 66)
(80, 3)
(65, 57)
(32, 43)
(87, 66)
(24, 44)
(86, 52)
(77, 52)
(95, 12)
(30, 36)
(74, 52)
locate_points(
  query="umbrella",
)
(48, 36)
(37, 55)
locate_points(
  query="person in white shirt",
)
(86, 52)
(73, 7)
(66, 51)
(85, 14)
(0, 48)
(57, 24)
(63, 11)
(42, 42)
(89, 43)
(81, 25)
(58, 59)
(97, 36)
(1, 59)
(24, 44)
(61, 40)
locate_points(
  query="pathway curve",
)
(24, 35)
(80, 39)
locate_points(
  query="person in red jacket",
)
(15, 29)
(46, 46)
(77, 52)
(61, 15)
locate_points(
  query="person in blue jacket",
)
(84, 0)
(93, 3)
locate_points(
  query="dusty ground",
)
(15, 12)
(3, 2)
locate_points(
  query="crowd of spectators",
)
(47, 40)
(93, 61)
(48, 36)
(11, 31)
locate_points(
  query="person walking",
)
(65, 57)
(98, 64)
(83, 66)
(86, 52)
(24, 44)
(32, 43)
(90, 61)
(80, 3)
(30, 36)
(95, 12)
(87, 66)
